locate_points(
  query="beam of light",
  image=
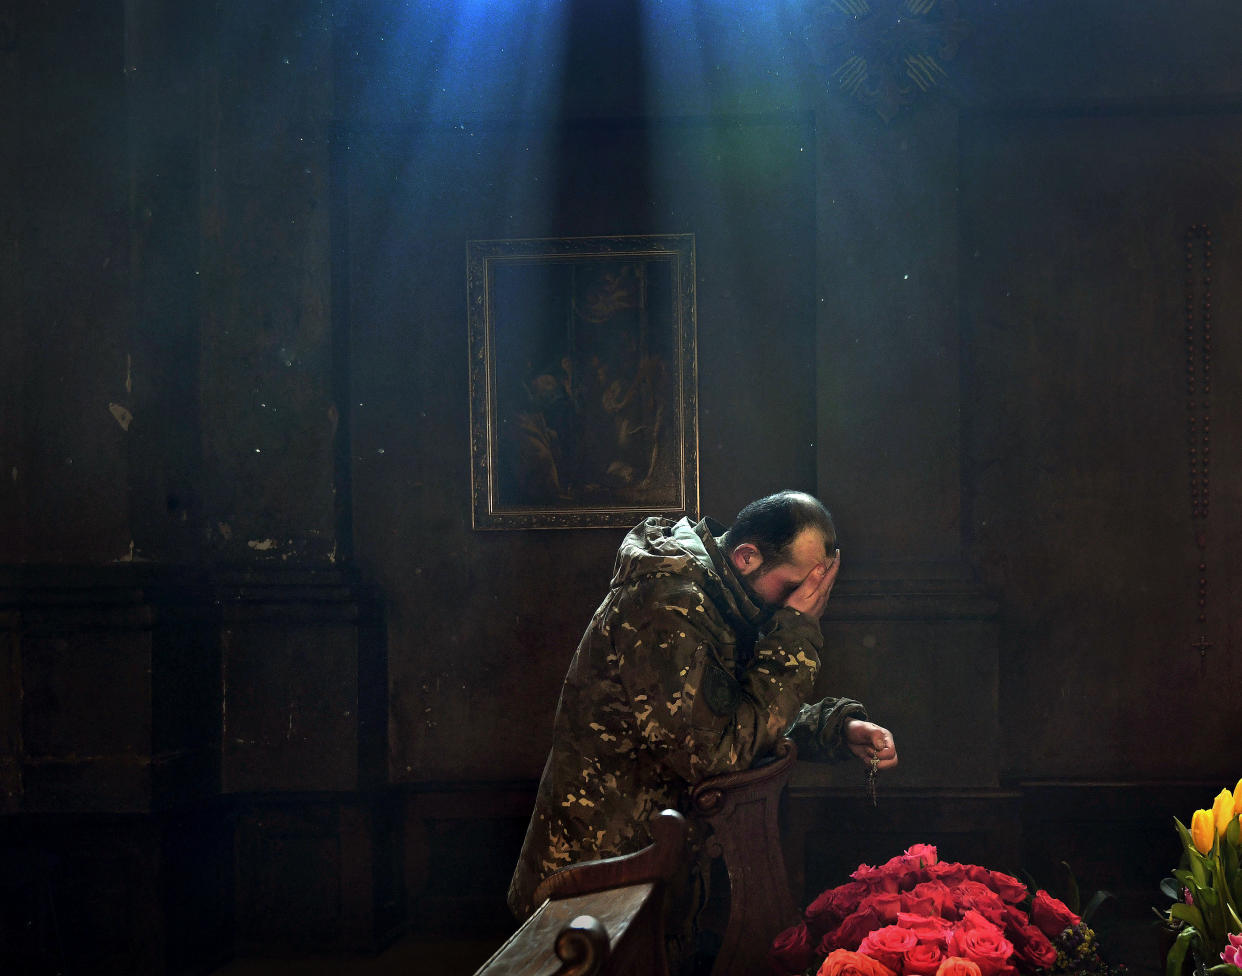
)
(460, 99)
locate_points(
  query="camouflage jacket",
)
(682, 674)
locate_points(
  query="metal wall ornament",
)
(583, 381)
(885, 53)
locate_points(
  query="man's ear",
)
(746, 558)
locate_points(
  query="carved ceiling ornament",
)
(885, 53)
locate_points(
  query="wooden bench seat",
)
(605, 917)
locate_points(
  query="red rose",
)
(983, 945)
(913, 904)
(843, 962)
(950, 872)
(889, 945)
(1034, 951)
(923, 852)
(910, 868)
(885, 903)
(923, 960)
(835, 904)
(940, 894)
(1051, 915)
(852, 930)
(1009, 888)
(973, 894)
(793, 949)
(877, 879)
(928, 928)
(1015, 918)
(902, 874)
(972, 919)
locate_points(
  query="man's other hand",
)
(869, 741)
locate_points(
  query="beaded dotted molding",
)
(1199, 402)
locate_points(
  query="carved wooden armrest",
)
(655, 862)
(599, 918)
(709, 794)
(742, 810)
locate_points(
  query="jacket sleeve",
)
(691, 713)
(819, 729)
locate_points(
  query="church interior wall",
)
(252, 647)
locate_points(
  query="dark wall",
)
(1083, 428)
(236, 396)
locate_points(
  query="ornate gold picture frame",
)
(583, 380)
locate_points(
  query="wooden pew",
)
(601, 918)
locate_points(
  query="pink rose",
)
(1051, 915)
(851, 931)
(888, 945)
(928, 928)
(793, 949)
(923, 960)
(984, 946)
(835, 904)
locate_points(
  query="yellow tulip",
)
(1202, 831)
(1222, 811)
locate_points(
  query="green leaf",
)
(1098, 899)
(1188, 914)
(1176, 958)
(1228, 907)
(1072, 896)
(1172, 888)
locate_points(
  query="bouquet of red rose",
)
(920, 916)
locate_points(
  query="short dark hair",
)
(772, 523)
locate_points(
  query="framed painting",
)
(583, 381)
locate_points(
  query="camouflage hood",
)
(689, 550)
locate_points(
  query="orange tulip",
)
(1202, 831)
(1222, 811)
